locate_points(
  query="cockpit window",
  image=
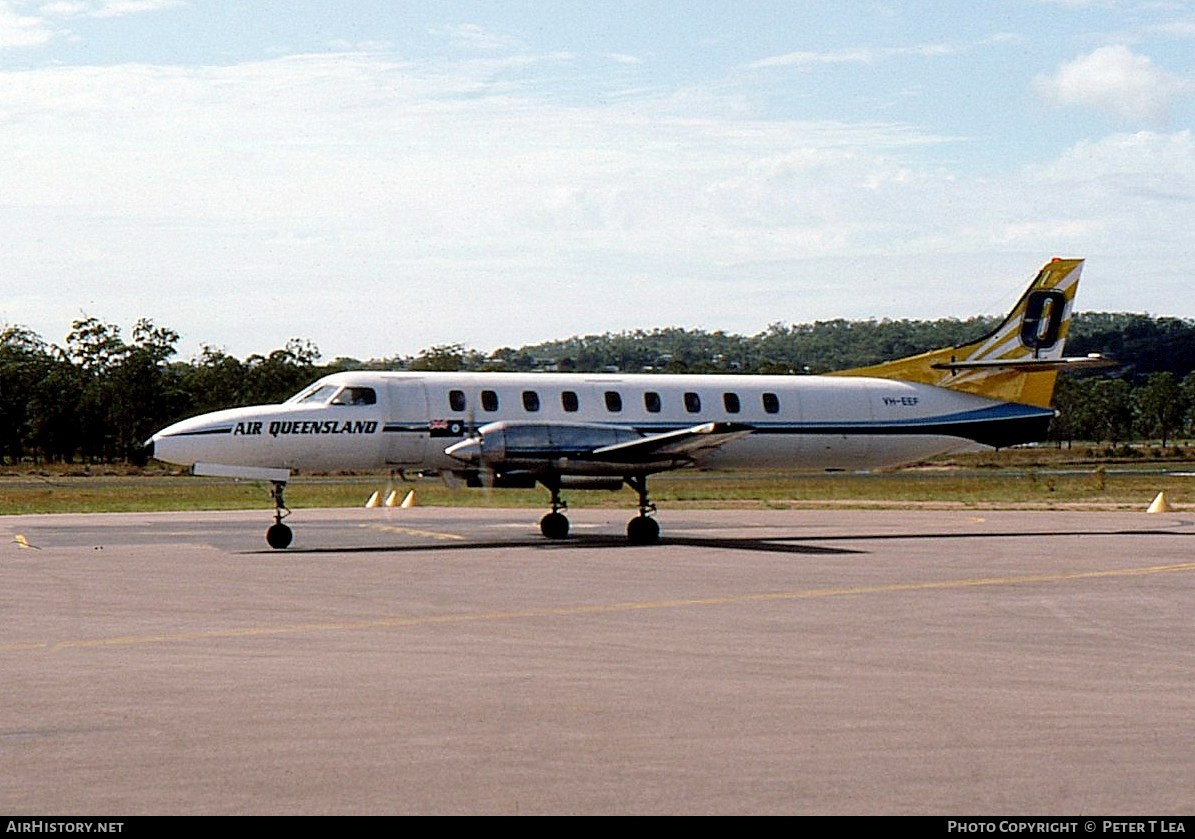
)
(316, 396)
(356, 396)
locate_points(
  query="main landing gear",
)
(278, 535)
(641, 530)
(555, 524)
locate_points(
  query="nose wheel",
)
(279, 536)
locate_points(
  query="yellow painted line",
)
(570, 611)
(410, 531)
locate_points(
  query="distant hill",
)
(1143, 344)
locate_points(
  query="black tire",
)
(278, 536)
(554, 526)
(643, 531)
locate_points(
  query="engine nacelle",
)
(506, 442)
(538, 447)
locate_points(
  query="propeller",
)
(470, 450)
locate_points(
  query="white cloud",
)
(1142, 152)
(1136, 181)
(63, 8)
(1116, 80)
(21, 27)
(1120, 200)
(342, 45)
(1173, 29)
(19, 30)
(380, 206)
(470, 36)
(121, 8)
(408, 185)
(804, 58)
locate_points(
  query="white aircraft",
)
(590, 431)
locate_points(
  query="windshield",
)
(356, 396)
(335, 395)
(316, 395)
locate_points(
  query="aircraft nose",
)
(143, 455)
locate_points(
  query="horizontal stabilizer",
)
(249, 473)
(1088, 362)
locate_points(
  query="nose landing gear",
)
(278, 535)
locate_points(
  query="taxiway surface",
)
(452, 661)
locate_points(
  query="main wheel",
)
(554, 525)
(642, 530)
(279, 536)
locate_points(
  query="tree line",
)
(99, 396)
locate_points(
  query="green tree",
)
(143, 391)
(127, 390)
(24, 362)
(1112, 410)
(1187, 387)
(57, 434)
(442, 357)
(1159, 406)
(279, 375)
(1069, 402)
(96, 348)
(212, 381)
(94, 345)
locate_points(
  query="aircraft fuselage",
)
(369, 420)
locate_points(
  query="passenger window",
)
(771, 403)
(692, 403)
(489, 400)
(530, 400)
(730, 401)
(456, 400)
(569, 401)
(651, 401)
(613, 401)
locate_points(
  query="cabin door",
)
(407, 424)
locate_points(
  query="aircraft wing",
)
(684, 442)
(580, 448)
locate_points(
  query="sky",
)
(381, 177)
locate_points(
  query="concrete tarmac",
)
(452, 661)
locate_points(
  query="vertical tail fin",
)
(1018, 361)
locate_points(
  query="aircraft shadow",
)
(585, 541)
(794, 544)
